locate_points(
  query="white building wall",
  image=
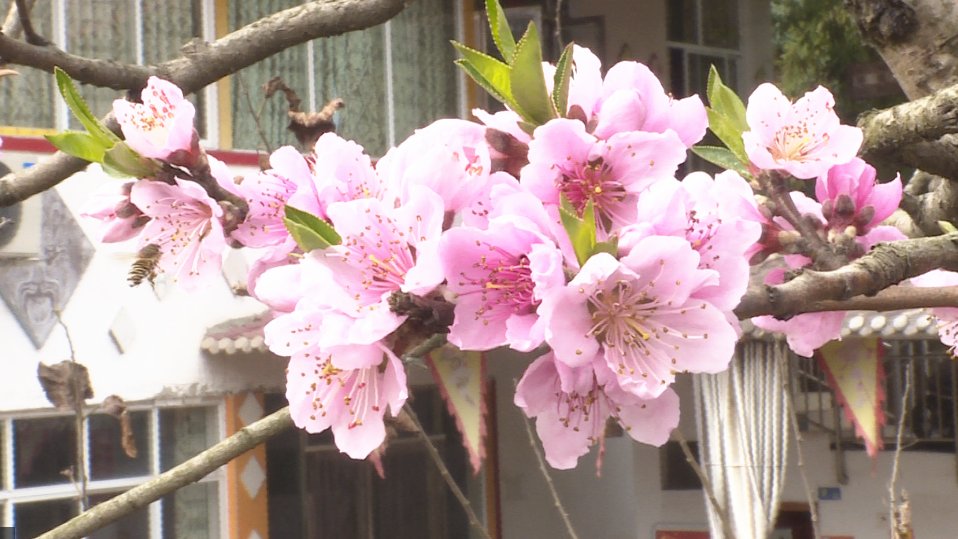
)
(164, 360)
(627, 500)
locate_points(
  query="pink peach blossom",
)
(159, 126)
(500, 276)
(850, 196)
(110, 204)
(351, 402)
(565, 160)
(571, 406)
(804, 138)
(641, 315)
(185, 225)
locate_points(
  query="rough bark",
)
(917, 39)
(886, 265)
(201, 64)
(918, 134)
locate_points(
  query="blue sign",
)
(829, 493)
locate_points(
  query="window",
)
(128, 31)
(702, 33)
(394, 78)
(930, 422)
(39, 456)
(317, 492)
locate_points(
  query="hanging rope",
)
(742, 418)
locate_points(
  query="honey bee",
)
(144, 267)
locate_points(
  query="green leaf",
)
(724, 129)
(581, 230)
(78, 144)
(528, 81)
(309, 231)
(125, 161)
(80, 109)
(501, 33)
(611, 246)
(947, 227)
(491, 74)
(726, 102)
(722, 157)
(560, 86)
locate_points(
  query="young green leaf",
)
(80, 109)
(309, 231)
(560, 86)
(722, 157)
(581, 230)
(499, 26)
(488, 72)
(724, 129)
(528, 81)
(78, 144)
(726, 102)
(125, 161)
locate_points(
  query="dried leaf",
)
(66, 384)
(126, 433)
(113, 405)
(309, 126)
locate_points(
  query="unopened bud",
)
(505, 143)
(828, 209)
(576, 112)
(865, 216)
(844, 206)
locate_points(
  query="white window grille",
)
(39, 483)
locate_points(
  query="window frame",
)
(699, 48)
(11, 496)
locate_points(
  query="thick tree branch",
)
(190, 471)
(916, 40)
(929, 199)
(911, 133)
(886, 265)
(105, 73)
(203, 64)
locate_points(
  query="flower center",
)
(504, 284)
(591, 181)
(796, 143)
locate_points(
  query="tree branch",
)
(203, 64)
(887, 264)
(190, 471)
(909, 134)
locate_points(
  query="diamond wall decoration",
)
(34, 288)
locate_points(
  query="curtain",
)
(353, 67)
(247, 85)
(28, 98)
(743, 418)
(424, 78)
(100, 29)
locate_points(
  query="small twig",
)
(80, 476)
(190, 471)
(255, 114)
(419, 351)
(706, 484)
(444, 472)
(545, 474)
(558, 27)
(893, 519)
(29, 34)
(793, 418)
(776, 187)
